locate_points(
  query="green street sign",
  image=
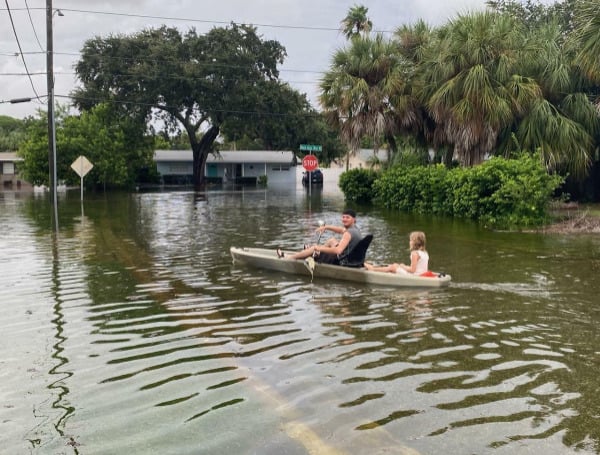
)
(311, 148)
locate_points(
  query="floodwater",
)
(131, 331)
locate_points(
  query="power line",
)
(24, 74)
(29, 74)
(158, 61)
(173, 60)
(169, 107)
(134, 76)
(206, 21)
(18, 54)
(33, 27)
(21, 50)
(281, 70)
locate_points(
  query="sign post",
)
(82, 166)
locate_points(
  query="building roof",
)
(237, 156)
(10, 157)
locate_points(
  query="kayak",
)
(265, 258)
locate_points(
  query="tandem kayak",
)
(264, 258)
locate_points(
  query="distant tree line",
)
(12, 133)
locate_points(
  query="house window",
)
(178, 169)
(280, 168)
(7, 168)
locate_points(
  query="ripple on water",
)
(169, 338)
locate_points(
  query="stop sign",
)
(310, 162)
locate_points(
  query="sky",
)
(308, 29)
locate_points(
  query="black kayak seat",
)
(356, 257)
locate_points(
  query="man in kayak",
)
(334, 251)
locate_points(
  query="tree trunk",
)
(200, 152)
(448, 156)
(392, 149)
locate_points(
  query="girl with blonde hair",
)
(419, 258)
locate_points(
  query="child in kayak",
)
(419, 258)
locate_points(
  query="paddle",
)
(310, 261)
(315, 254)
(321, 224)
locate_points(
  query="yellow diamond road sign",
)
(82, 166)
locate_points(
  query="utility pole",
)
(51, 122)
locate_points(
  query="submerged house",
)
(240, 166)
(9, 173)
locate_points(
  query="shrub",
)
(403, 188)
(501, 193)
(357, 184)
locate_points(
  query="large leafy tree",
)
(112, 142)
(275, 128)
(535, 14)
(192, 82)
(34, 150)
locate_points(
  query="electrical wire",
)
(17, 54)
(157, 61)
(136, 76)
(169, 107)
(282, 70)
(33, 27)
(173, 60)
(207, 21)
(22, 54)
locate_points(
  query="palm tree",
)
(414, 39)
(356, 22)
(562, 142)
(587, 37)
(413, 42)
(357, 93)
(561, 123)
(470, 84)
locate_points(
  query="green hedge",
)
(501, 193)
(357, 184)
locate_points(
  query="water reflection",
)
(142, 336)
(60, 370)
